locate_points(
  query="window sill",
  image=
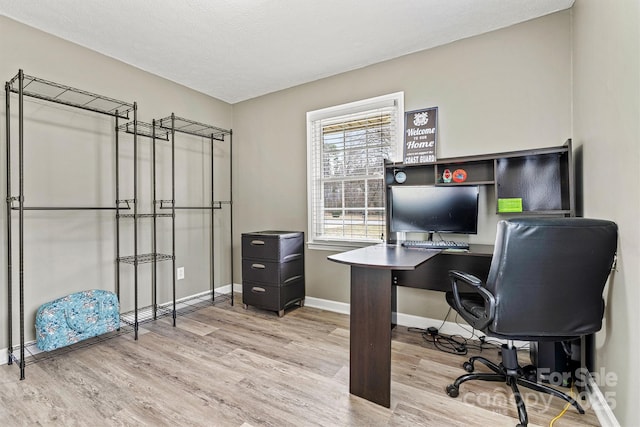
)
(338, 246)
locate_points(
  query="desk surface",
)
(397, 257)
(387, 256)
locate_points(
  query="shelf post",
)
(213, 245)
(231, 208)
(154, 246)
(21, 211)
(117, 154)
(173, 210)
(135, 217)
(9, 259)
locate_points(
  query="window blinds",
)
(347, 176)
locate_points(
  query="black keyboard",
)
(435, 244)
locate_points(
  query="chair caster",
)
(530, 373)
(468, 366)
(452, 390)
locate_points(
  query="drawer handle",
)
(258, 290)
(291, 279)
(258, 266)
(257, 242)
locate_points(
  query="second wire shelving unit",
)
(174, 124)
(139, 315)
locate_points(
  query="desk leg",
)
(370, 334)
(394, 306)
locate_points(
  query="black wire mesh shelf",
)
(183, 306)
(144, 129)
(146, 314)
(193, 128)
(55, 92)
(32, 354)
(145, 258)
(195, 303)
(127, 325)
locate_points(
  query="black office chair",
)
(545, 283)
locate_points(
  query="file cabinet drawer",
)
(273, 245)
(275, 298)
(273, 273)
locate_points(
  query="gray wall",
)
(506, 90)
(69, 160)
(606, 130)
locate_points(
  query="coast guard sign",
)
(420, 136)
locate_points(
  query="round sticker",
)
(459, 175)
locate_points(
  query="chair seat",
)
(472, 302)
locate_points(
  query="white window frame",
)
(397, 99)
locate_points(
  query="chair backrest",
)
(548, 276)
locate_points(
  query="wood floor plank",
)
(224, 366)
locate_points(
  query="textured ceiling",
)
(235, 50)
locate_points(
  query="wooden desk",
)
(375, 272)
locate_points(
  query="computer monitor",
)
(432, 209)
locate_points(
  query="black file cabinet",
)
(273, 269)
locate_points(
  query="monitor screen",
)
(422, 208)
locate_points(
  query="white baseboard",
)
(226, 289)
(599, 405)
(328, 305)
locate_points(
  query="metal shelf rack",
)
(159, 130)
(149, 130)
(174, 124)
(28, 86)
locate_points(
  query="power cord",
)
(452, 344)
(447, 344)
(564, 410)
(456, 344)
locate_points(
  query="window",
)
(346, 147)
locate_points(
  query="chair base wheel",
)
(468, 367)
(452, 390)
(530, 373)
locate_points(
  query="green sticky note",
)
(513, 204)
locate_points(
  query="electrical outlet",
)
(180, 273)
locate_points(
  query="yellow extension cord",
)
(564, 410)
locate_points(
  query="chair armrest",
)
(466, 277)
(477, 284)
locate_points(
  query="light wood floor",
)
(226, 366)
